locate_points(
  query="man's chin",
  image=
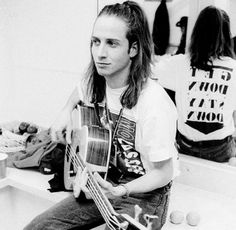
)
(102, 73)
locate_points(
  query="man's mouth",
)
(102, 64)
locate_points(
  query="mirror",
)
(178, 11)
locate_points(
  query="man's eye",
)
(95, 42)
(112, 44)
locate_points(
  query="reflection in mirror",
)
(201, 106)
(163, 19)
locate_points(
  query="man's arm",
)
(72, 101)
(62, 127)
(159, 176)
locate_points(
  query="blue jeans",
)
(214, 150)
(82, 214)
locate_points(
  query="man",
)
(143, 116)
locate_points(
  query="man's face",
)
(110, 49)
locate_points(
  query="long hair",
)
(138, 31)
(211, 38)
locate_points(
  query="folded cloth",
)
(37, 146)
(53, 162)
(56, 163)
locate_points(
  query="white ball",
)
(232, 161)
(193, 218)
(176, 217)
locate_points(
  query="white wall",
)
(232, 14)
(176, 9)
(44, 46)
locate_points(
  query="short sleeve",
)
(81, 87)
(159, 127)
(166, 71)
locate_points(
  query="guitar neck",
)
(135, 224)
(96, 192)
(105, 202)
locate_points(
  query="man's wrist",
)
(126, 191)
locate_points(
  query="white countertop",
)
(33, 182)
(216, 210)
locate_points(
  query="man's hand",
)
(81, 183)
(110, 190)
(61, 130)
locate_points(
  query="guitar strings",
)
(99, 205)
(102, 205)
(108, 217)
(75, 161)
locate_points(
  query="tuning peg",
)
(124, 225)
(149, 220)
(137, 212)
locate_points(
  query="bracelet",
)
(127, 192)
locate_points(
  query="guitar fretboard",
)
(97, 194)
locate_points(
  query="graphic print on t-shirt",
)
(206, 95)
(128, 159)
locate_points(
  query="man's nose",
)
(102, 51)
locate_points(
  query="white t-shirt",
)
(205, 100)
(149, 127)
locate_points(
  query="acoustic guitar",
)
(92, 140)
(90, 148)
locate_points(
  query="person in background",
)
(144, 124)
(204, 81)
(182, 23)
(234, 44)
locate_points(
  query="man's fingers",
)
(84, 180)
(76, 183)
(57, 135)
(81, 179)
(68, 134)
(76, 190)
(103, 183)
(53, 134)
(97, 176)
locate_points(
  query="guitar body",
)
(91, 141)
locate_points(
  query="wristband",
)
(127, 192)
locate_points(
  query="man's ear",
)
(133, 51)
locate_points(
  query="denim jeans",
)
(83, 214)
(214, 152)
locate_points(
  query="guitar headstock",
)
(134, 222)
(149, 220)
